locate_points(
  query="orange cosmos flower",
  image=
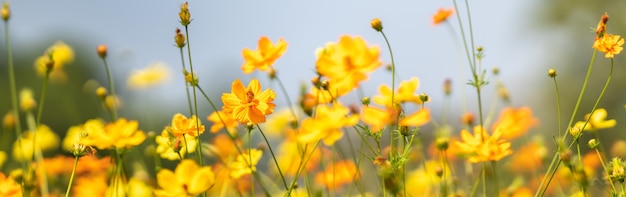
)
(481, 147)
(248, 104)
(442, 15)
(327, 124)
(219, 119)
(265, 55)
(119, 134)
(8, 187)
(338, 174)
(610, 44)
(346, 63)
(189, 179)
(182, 125)
(515, 122)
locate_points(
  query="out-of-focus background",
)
(522, 38)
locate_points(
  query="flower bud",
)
(447, 86)
(5, 12)
(377, 24)
(593, 143)
(467, 119)
(495, 70)
(366, 101)
(184, 14)
(443, 143)
(27, 100)
(566, 156)
(424, 97)
(8, 121)
(101, 92)
(179, 38)
(552, 73)
(439, 171)
(102, 51)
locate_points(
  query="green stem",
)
(393, 89)
(582, 91)
(195, 103)
(112, 90)
(291, 106)
(606, 170)
(301, 169)
(495, 179)
(484, 179)
(273, 157)
(69, 186)
(12, 86)
(182, 59)
(558, 105)
(43, 97)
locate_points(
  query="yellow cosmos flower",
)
(609, 44)
(442, 15)
(481, 147)
(405, 93)
(424, 179)
(327, 124)
(188, 179)
(377, 119)
(60, 53)
(220, 119)
(596, 121)
(340, 173)
(264, 57)
(181, 125)
(156, 73)
(419, 118)
(27, 100)
(46, 140)
(245, 163)
(248, 104)
(290, 157)
(347, 63)
(515, 122)
(173, 148)
(119, 134)
(8, 187)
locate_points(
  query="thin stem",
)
(582, 91)
(273, 157)
(495, 179)
(43, 97)
(606, 170)
(291, 106)
(558, 105)
(12, 86)
(195, 103)
(484, 179)
(182, 60)
(471, 31)
(69, 186)
(393, 89)
(112, 90)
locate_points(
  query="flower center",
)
(250, 96)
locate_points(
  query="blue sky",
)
(141, 32)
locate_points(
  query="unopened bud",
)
(424, 97)
(102, 51)
(101, 92)
(566, 156)
(272, 73)
(593, 143)
(495, 70)
(552, 73)
(6, 12)
(325, 84)
(467, 119)
(9, 120)
(447, 86)
(377, 24)
(439, 171)
(366, 101)
(443, 143)
(184, 14)
(179, 38)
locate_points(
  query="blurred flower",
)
(8, 187)
(188, 179)
(346, 63)
(90, 185)
(5, 13)
(278, 122)
(119, 134)
(60, 54)
(74, 135)
(8, 122)
(327, 124)
(181, 125)
(609, 44)
(596, 122)
(245, 163)
(46, 140)
(515, 122)
(219, 118)
(171, 147)
(223, 147)
(264, 57)
(291, 154)
(138, 188)
(377, 119)
(338, 174)
(417, 119)
(248, 104)
(154, 74)
(442, 15)
(405, 93)
(424, 179)
(27, 100)
(521, 162)
(3, 158)
(481, 147)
